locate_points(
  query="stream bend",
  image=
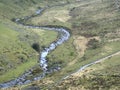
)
(64, 36)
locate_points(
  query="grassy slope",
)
(16, 53)
(89, 19)
(83, 19)
(103, 18)
(104, 75)
(17, 56)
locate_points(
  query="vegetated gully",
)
(64, 36)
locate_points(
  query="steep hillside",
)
(16, 52)
(18, 8)
(102, 76)
(95, 34)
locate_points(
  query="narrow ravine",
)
(64, 36)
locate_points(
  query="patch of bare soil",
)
(80, 43)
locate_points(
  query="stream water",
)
(64, 36)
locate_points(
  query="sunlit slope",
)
(16, 52)
(13, 52)
(16, 8)
(104, 75)
(95, 29)
(95, 33)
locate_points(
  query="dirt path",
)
(81, 70)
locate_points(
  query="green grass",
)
(87, 18)
(108, 67)
(19, 8)
(11, 50)
(19, 70)
(49, 37)
(105, 76)
(57, 15)
(67, 55)
(17, 55)
(6, 34)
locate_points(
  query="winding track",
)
(86, 66)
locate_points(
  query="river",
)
(64, 36)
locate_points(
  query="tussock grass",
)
(16, 52)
